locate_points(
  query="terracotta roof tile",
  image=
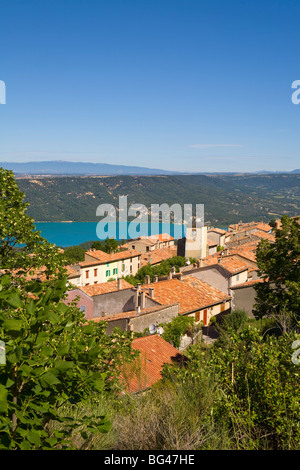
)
(264, 227)
(146, 370)
(264, 235)
(217, 230)
(191, 293)
(104, 287)
(158, 255)
(106, 257)
(232, 264)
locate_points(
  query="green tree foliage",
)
(74, 254)
(22, 249)
(53, 356)
(279, 265)
(110, 245)
(177, 328)
(161, 269)
(255, 388)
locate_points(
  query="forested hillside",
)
(226, 198)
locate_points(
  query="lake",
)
(65, 234)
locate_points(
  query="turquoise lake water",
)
(74, 233)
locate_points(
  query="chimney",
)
(170, 275)
(147, 279)
(180, 276)
(155, 279)
(138, 310)
(151, 292)
(143, 299)
(137, 295)
(119, 283)
(173, 270)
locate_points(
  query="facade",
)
(99, 267)
(153, 242)
(244, 296)
(194, 244)
(121, 305)
(217, 236)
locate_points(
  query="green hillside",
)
(226, 198)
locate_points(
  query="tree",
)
(74, 254)
(177, 328)
(278, 296)
(23, 251)
(110, 245)
(53, 355)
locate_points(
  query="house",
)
(195, 297)
(194, 244)
(107, 298)
(158, 255)
(145, 244)
(221, 272)
(211, 247)
(217, 235)
(146, 370)
(139, 319)
(244, 296)
(121, 305)
(99, 267)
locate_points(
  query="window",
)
(107, 273)
(87, 274)
(237, 277)
(123, 267)
(95, 282)
(133, 247)
(82, 308)
(131, 268)
(115, 271)
(147, 248)
(95, 272)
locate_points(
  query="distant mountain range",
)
(59, 167)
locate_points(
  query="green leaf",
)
(30, 308)
(34, 438)
(14, 300)
(47, 351)
(3, 399)
(64, 349)
(62, 366)
(12, 325)
(50, 378)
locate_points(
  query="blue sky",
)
(187, 85)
